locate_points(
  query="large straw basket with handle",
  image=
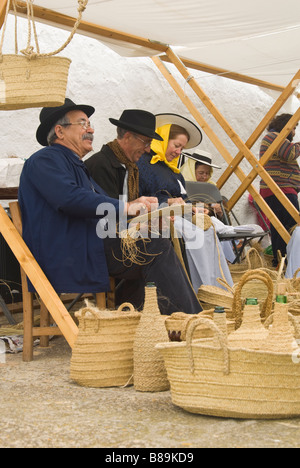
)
(252, 261)
(33, 79)
(103, 352)
(232, 383)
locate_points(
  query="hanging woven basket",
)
(33, 79)
(40, 82)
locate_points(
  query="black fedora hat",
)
(50, 115)
(138, 121)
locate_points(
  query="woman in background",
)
(284, 169)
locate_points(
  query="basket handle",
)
(126, 304)
(220, 335)
(255, 253)
(93, 311)
(295, 274)
(237, 305)
(222, 282)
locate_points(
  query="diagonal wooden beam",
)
(232, 134)
(219, 145)
(40, 282)
(3, 5)
(258, 169)
(284, 96)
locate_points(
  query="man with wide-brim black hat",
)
(115, 169)
(60, 208)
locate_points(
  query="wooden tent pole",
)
(232, 134)
(220, 147)
(40, 282)
(284, 96)
(266, 157)
(3, 5)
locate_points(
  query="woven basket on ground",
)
(149, 369)
(231, 383)
(213, 296)
(252, 261)
(177, 325)
(103, 352)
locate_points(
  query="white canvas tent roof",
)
(259, 39)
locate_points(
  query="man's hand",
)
(141, 205)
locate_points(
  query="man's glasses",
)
(83, 123)
(146, 144)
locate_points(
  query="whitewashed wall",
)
(100, 77)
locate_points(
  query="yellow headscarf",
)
(160, 148)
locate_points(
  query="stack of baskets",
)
(240, 382)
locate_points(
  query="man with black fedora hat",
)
(60, 204)
(115, 169)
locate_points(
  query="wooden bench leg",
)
(44, 322)
(101, 301)
(28, 326)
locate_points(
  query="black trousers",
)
(162, 267)
(286, 219)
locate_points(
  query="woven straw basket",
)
(39, 82)
(178, 323)
(226, 382)
(33, 79)
(214, 296)
(103, 352)
(252, 261)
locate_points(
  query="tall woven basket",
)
(33, 79)
(149, 369)
(231, 383)
(103, 352)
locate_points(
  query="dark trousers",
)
(286, 219)
(161, 266)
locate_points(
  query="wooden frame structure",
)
(48, 295)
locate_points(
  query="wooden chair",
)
(103, 300)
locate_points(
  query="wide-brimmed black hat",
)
(138, 121)
(50, 115)
(202, 157)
